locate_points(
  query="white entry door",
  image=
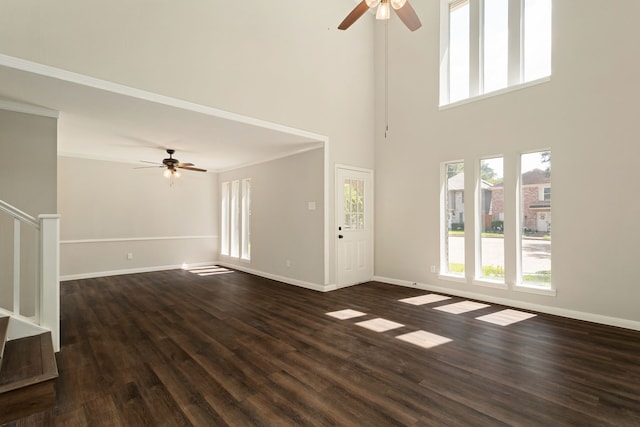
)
(354, 226)
(544, 222)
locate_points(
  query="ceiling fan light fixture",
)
(397, 4)
(171, 173)
(372, 3)
(383, 12)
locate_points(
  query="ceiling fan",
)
(403, 9)
(172, 165)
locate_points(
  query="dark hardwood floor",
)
(173, 349)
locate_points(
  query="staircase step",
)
(27, 377)
(4, 329)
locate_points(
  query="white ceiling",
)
(107, 121)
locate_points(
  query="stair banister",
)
(18, 214)
(50, 276)
(47, 301)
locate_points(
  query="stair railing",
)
(47, 293)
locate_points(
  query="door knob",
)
(340, 236)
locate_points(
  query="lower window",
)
(535, 219)
(453, 240)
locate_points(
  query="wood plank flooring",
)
(176, 349)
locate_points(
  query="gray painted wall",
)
(282, 226)
(586, 114)
(110, 209)
(28, 145)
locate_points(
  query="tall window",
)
(235, 203)
(246, 219)
(224, 218)
(487, 45)
(453, 240)
(535, 219)
(491, 220)
(234, 229)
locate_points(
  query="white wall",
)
(282, 226)
(28, 146)
(587, 114)
(111, 209)
(283, 61)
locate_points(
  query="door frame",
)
(337, 215)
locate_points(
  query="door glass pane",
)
(496, 44)
(454, 240)
(353, 204)
(491, 208)
(354, 196)
(535, 217)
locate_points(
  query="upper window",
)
(488, 45)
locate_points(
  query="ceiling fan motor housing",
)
(170, 162)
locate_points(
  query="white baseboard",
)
(287, 280)
(283, 279)
(97, 274)
(556, 311)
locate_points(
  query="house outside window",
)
(535, 220)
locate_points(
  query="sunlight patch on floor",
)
(424, 339)
(380, 325)
(506, 317)
(346, 314)
(424, 299)
(461, 307)
(210, 270)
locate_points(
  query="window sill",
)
(533, 289)
(495, 93)
(490, 283)
(452, 278)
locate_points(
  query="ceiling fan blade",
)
(191, 168)
(409, 17)
(153, 163)
(184, 164)
(354, 15)
(148, 167)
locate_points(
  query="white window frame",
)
(542, 193)
(476, 31)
